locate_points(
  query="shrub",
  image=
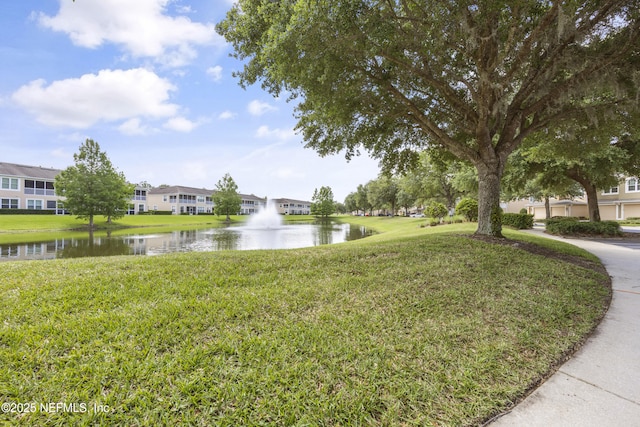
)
(468, 208)
(571, 226)
(523, 211)
(436, 210)
(520, 221)
(27, 212)
(434, 222)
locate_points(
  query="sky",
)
(151, 81)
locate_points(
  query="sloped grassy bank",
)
(407, 328)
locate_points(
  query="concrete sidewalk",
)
(600, 385)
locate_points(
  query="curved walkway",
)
(600, 385)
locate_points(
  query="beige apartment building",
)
(28, 187)
(189, 200)
(33, 188)
(292, 207)
(616, 203)
(621, 202)
(180, 200)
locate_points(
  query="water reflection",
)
(200, 240)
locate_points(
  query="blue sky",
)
(150, 81)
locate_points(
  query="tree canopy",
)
(93, 186)
(473, 78)
(226, 199)
(322, 203)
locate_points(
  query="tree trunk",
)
(547, 207)
(592, 202)
(489, 216)
(590, 189)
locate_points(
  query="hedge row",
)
(27, 212)
(571, 226)
(519, 221)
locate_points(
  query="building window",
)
(612, 190)
(9, 183)
(34, 204)
(633, 185)
(9, 204)
(40, 188)
(52, 204)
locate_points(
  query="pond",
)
(280, 236)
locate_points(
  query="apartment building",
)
(622, 201)
(180, 200)
(138, 201)
(616, 203)
(292, 207)
(251, 204)
(28, 187)
(189, 200)
(32, 187)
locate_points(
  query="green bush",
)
(436, 210)
(27, 212)
(523, 211)
(468, 208)
(573, 227)
(520, 221)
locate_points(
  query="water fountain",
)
(267, 217)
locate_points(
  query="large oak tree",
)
(475, 78)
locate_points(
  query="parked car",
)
(417, 215)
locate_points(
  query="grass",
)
(412, 326)
(26, 223)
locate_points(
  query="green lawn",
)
(412, 326)
(25, 223)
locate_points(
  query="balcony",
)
(40, 191)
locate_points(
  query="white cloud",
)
(141, 28)
(258, 108)
(133, 127)
(215, 73)
(180, 124)
(110, 95)
(226, 115)
(281, 134)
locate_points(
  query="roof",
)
(291, 201)
(179, 189)
(252, 197)
(23, 171)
